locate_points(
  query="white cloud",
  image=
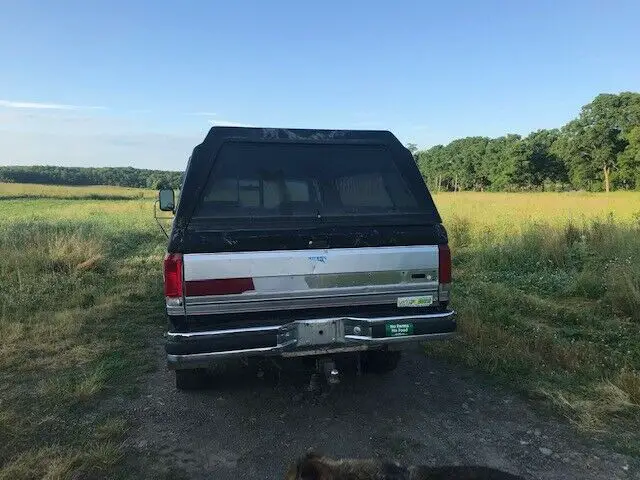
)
(143, 150)
(80, 138)
(228, 123)
(45, 106)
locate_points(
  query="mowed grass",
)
(548, 291)
(548, 303)
(80, 309)
(100, 192)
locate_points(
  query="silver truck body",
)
(399, 277)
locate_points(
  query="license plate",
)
(422, 301)
(399, 329)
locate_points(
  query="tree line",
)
(599, 150)
(119, 176)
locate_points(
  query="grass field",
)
(547, 286)
(81, 304)
(548, 290)
(28, 190)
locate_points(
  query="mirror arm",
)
(155, 215)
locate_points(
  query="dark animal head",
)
(316, 467)
(310, 467)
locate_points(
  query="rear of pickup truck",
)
(303, 243)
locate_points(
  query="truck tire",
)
(190, 379)
(381, 361)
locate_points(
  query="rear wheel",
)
(191, 379)
(380, 361)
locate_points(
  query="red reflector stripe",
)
(173, 275)
(227, 286)
(444, 264)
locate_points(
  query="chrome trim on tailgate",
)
(185, 336)
(331, 297)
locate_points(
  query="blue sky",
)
(139, 83)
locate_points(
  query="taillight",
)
(224, 286)
(173, 275)
(444, 274)
(444, 264)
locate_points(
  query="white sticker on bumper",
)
(421, 301)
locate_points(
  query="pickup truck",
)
(290, 242)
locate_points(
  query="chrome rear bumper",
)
(305, 337)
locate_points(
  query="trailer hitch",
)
(325, 367)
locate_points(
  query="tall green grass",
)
(81, 305)
(554, 309)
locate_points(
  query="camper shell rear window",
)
(280, 181)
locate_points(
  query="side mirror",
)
(167, 200)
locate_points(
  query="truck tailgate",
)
(227, 283)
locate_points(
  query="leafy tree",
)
(503, 163)
(591, 144)
(433, 167)
(413, 148)
(597, 150)
(544, 163)
(628, 174)
(126, 177)
(466, 155)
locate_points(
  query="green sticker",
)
(399, 329)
